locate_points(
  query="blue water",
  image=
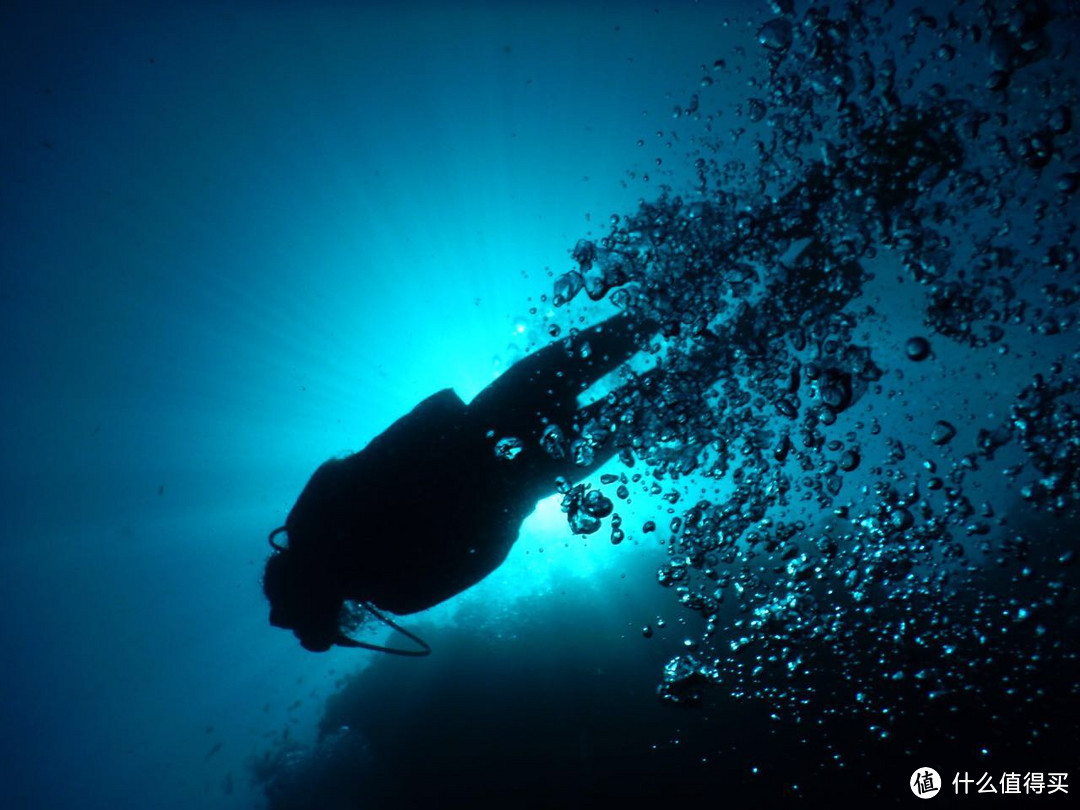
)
(237, 239)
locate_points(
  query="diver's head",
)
(303, 599)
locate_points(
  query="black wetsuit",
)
(429, 507)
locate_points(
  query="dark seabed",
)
(238, 239)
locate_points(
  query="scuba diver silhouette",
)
(434, 503)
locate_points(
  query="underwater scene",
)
(554, 404)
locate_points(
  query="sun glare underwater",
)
(834, 545)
